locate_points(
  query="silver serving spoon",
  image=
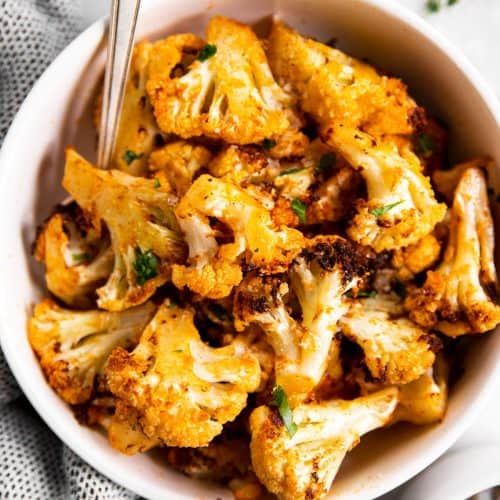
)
(122, 22)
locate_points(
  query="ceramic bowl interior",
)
(57, 113)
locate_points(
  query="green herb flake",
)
(157, 183)
(280, 400)
(425, 145)
(145, 265)
(208, 51)
(433, 5)
(81, 257)
(400, 288)
(452, 2)
(129, 156)
(178, 350)
(173, 304)
(300, 210)
(291, 171)
(348, 294)
(378, 212)
(326, 162)
(268, 144)
(219, 312)
(365, 294)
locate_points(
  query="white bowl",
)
(54, 116)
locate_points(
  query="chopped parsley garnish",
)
(425, 145)
(400, 288)
(452, 2)
(208, 51)
(173, 303)
(300, 210)
(326, 162)
(268, 144)
(363, 294)
(129, 156)
(378, 212)
(145, 265)
(178, 350)
(433, 5)
(157, 183)
(80, 257)
(280, 400)
(291, 171)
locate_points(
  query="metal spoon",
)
(122, 22)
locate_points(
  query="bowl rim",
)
(92, 35)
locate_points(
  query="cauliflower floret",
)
(73, 346)
(213, 269)
(319, 277)
(401, 207)
(416, 258)
(396, 350)
(446, 181)
(337, 89)
(76, 259)
(305, 465)
(141, 223)
(176, 164)
(182, 390)
(227, 92)
(459, 297)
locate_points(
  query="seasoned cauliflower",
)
(213, 269)
(182, 390)
(416, 258)
(141, 223)
(337, 89)
(226, 92)
(73, 346)
(304, 465)
(401, 207)
(76, 259)
(328, 268)
(459, 297)
(396, 351)
(175, 164)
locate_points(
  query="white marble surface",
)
(474, 26)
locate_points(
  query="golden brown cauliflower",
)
(303, 466)
(213, 269)
(182, 390)
(401, 207)
(73, 346)
(337, 89)
(226, 91)
(396, 351)
(142, 225)
(329, 267)
(77, 260)
(459, 297)
(416, 258)
(175, 164)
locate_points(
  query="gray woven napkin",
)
(34, 464)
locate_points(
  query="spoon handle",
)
(122, 24)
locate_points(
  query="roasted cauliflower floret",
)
(320, 277)
(175, 164)
(401, 207)
(227, 92)
(73, 346)
(76, 259)
(142, 225)
(182, 390)
(304, 465)
(416, 258)
(459, 297)
(396, 351)
(337, 89)
(213, 269)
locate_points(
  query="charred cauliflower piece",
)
(320, 277)
(459, 297)
(175, 164)
(73, 346)
(401, 207)
(416, 258)
(213, 269)
(337, 89)
(142, 225)
(305, 465)
(181, 390)
(396, 350)
(227, 92)
(76, 259)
